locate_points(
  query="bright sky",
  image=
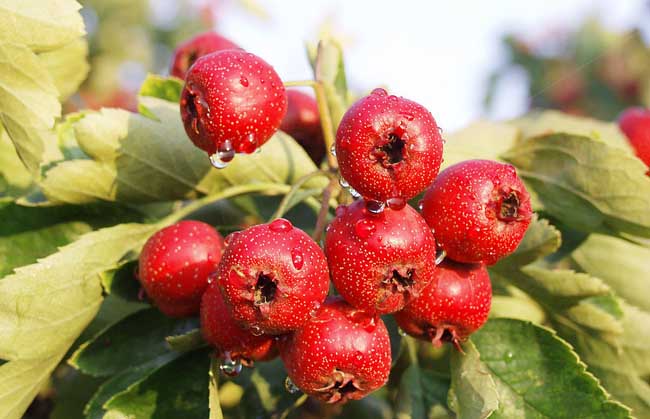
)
(436, 53)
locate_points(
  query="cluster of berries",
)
(263, 291)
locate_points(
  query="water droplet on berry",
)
(375, 207)
(333, 150)
(420, 205)
(440, 256)
(396, 203)
(314, 309)
(290, 386)
(280, 225)
(230, 367)
(297, 258)
(408, 116)
(392, 98)
(244, 81)
(224, 155)
(341, 210)
(249, 145)
(379, 91)
(256, 331)
(363, 228)
(354, 193)
(344, 183)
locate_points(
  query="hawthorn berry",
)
(341, 354)
(452, 307)
(379, 262)
(389, 148)
(221, 330)
(273, 277)
(175, 264)
(302, 122)
(232, 102)
(479, 210)
(635, 124)
(202, 44)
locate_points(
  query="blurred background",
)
(462, 60)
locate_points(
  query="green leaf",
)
(139, 159)
(479, 140)
(41, 26)
(72, 390)
(329, 69)
(112, 350)
(472, 394)
(154, 397)
(187, 341)
(14, 177)
(67, 66)
(585, 183)
(541, 239)
(517, 308)
(165, 88)
(213, 388)
(422, 394)
(28, 103)
(537, 375)
(622, 265)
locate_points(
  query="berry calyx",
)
(379, 261)
(273, 276)
(635, 124)
(452, 307)
(479, 210)
(302, 122)
(189, 51)
(232, 102)
(221, 330)
(341, 354)
(388, 147)
(175, 264)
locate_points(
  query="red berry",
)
(341, 354)
(202, 44)
(379, 262)
(302, 122)
(175, 264)
(233, 101)
(388, 147)
(273, 276)
(635, 123)
(452, 307)
(220, 329)
(479, 210)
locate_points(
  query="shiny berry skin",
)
(222, 331)
(388, 147)
(452, 307)
(232, 101)
(479, 210)
(202, 44)
(379, 262)
(341, 354)
(302, 122)
(175, 264)
(635, 123)
(273, 276)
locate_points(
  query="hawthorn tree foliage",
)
(80, 193)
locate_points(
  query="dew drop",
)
(408, 116)
(420, 205)
(379, 92)
(396, 203)
(508, 356)
(280, 225)
(440, 256)
(363, 228)
(375, 207)
(401, 332)
(244, 81)
(250, 143)
(344, 183)
(333, 150)
(354, 193)
(230, 367)
(290, 386)
(314, 309)
(224, 155)
(392, 98)
(297, 258)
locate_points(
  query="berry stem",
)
(324, 210)
(325, 117)
(286, 201)
(214, 404)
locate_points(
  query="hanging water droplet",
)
(364, 228)
(375, 207)
(344, 183)
(440, 256)
(224, 155)
(280, 225)
(354, 193)
(333, 150)
(230, 367)
(290, 386)
(297, 258)
(396, 203)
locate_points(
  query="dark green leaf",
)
(422, 394)
(187, 341)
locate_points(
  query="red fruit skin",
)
(341, 354)
(365, 250)
(175, 264)
(273, 277)
(221, 330)
(233, 96)
(479, 210)
(635, 124)
(371, 123)
(452, 307)
(302, 122)
(202, 44)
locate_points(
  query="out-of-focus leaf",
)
(541, 239)
(479, 140)
(67, 66)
